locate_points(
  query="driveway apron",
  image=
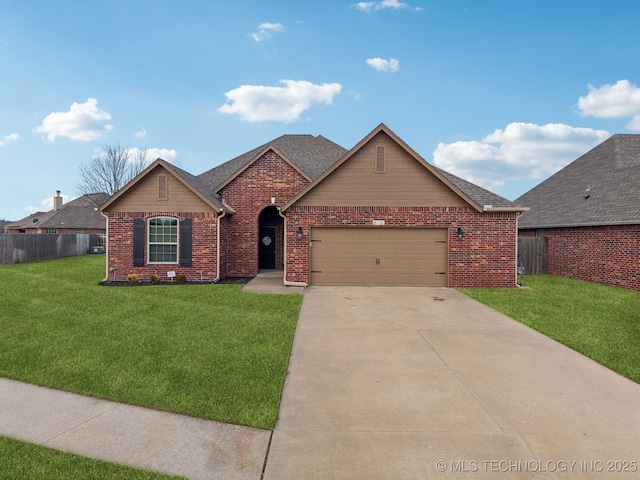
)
(411, 383)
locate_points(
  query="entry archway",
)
(270, 240)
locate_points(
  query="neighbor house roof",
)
(78, 213)
(602, 187)
(310, 155)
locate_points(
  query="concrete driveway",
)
(410, 383)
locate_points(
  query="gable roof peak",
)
(310, 155)
(477, 197)
(193, 183)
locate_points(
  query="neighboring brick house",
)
(589, 215)
(80, 215)
(378, 214)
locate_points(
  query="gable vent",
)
(381, 165)
(163, 193)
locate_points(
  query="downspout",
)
(218, 247)
(518, 215)
(286, 282)
(106, 249)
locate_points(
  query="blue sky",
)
(501, 93)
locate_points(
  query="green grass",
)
(210, 351)
(20, 460)
(601, 322)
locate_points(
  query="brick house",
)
(378, 214)
(80, 215)
(589, 215)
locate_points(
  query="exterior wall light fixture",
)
(460, 233)
(299, 233)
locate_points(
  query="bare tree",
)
(110, 170)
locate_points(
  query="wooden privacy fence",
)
(25, 247)
(532, 253)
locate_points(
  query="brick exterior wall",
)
(609, 255)
(204, 247)
(249, 194)
(485, 257)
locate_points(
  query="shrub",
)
(181, 279)
(133, 278)
(155, 278)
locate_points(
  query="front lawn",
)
(26, 460)
(211, 351)
(601, 322)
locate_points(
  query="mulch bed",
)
(224, 281)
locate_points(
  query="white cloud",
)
(7, 139)
(384, 4)
(258, 103)
(141, 134)
(522, 151)
(171, 156)
(265, 30)
(383, 65)
(613, 101)
(83, 122)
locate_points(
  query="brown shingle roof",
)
(602, 187)
(312, 156)
(481, 196)
(198, 184)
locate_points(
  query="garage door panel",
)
(379, 256)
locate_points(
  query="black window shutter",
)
(185, 242)
(138, 242)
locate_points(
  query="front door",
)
(267, 248)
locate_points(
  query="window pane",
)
(163, 240)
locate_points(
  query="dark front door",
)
(267, 248)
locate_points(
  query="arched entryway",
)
(270, 240)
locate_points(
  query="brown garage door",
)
(379, 256)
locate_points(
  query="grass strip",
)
(21, 460)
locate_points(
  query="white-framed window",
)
(162, 240)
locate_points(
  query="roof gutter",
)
(285, 281)
(106, 257)
(491, 208)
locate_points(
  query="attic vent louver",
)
(381, 164)
(163, 193)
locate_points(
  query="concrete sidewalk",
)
(130, 435)
(420, 383)
(270, 281)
